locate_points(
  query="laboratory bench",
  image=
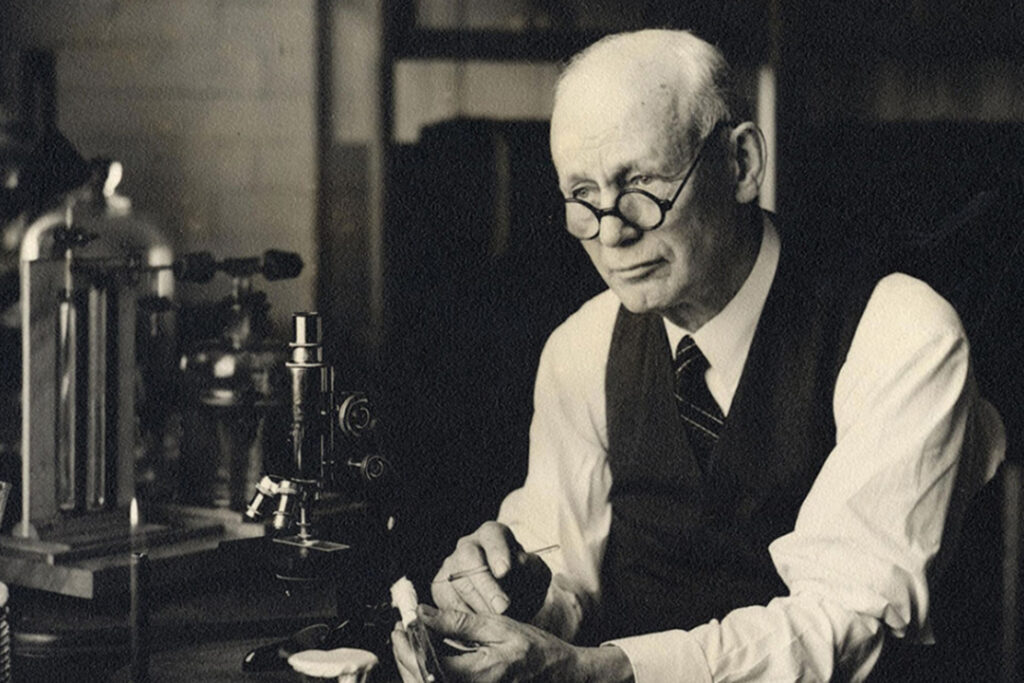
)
(198, 630)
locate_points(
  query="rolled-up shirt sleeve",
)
(913, 443)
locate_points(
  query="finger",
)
(451, 646)
(490, 592)
(500, 547)
(475, 592)
(464, 626)
(444, 594)
(469, 590)
(405, 658)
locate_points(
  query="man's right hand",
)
(515, 583)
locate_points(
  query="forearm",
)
(793, 638)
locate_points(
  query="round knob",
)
(355, 416)
(374, 467)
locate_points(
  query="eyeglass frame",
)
(665, 205)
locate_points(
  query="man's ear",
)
(748, 155)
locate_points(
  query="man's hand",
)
(516, 583)
(508, 650)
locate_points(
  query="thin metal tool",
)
(484, 568)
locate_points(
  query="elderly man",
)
(748, 470)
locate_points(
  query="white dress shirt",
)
(907, 417)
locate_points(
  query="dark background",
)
(441, 265)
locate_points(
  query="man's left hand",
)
(508, 650)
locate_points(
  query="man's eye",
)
(583, 193)
(640, 180)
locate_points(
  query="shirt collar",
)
(725, 339)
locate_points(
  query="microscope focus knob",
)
(355, 416)
(373, 467)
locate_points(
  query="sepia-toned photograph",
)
(454, 341)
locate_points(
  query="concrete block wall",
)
(210, 105)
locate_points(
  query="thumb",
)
(464, 626)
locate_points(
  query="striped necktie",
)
(700, 414)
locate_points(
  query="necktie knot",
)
(700, 413)
(690, 361)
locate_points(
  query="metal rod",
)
(138, 579)
(473, 571)
(96, 443)
(67, 353)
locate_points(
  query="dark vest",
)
(684, 547)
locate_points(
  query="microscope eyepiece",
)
(307, 339)
(306, 329)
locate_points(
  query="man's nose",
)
(614, 231)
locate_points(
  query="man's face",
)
(602, 148)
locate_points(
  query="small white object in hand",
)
(403, 596)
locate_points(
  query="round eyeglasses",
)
(634, 206)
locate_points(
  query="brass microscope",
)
(330, 443)
(325, 496)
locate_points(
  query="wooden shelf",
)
(492, 45)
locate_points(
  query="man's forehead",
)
(588, 118)
(624, 82)
(602, 90)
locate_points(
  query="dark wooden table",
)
(199, 631)
(217, 661)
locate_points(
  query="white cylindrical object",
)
(403, 597)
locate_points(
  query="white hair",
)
(703, 82)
